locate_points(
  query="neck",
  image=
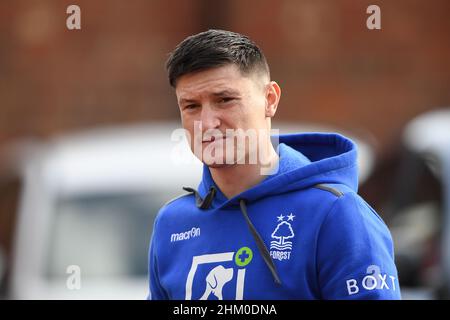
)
(236, 178)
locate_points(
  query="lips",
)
(213, 138)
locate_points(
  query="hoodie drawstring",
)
(206, 202)
(260, 243)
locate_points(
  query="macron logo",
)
(194, 232)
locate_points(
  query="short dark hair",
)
(212, 49)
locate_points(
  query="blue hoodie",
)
(302, 233)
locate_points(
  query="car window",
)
(106, 235)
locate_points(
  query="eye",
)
(190, 106)
(226, 99)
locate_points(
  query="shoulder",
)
(336, 190)
(352, 241)
(178, 200)
(344, 198)
(175, 207)
(352, 220)
(348, 213)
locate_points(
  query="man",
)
(267, 222)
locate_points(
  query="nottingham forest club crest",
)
(280, 246)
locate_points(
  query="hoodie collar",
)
(306, 159)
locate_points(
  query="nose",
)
(210, 118)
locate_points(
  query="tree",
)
(283, 231)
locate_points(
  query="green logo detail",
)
(243, 256)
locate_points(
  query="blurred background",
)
(86, 118)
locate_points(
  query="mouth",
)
(207, 140)
(212, 139)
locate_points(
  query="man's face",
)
(215, 103)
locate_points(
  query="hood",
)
(313, 158)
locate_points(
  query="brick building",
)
(332, 69)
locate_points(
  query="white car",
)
(87, 209)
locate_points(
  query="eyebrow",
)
(221, 93)
(226, 93)
(183, 100)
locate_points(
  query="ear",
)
(273, 94)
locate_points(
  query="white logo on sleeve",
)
(373, 279)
